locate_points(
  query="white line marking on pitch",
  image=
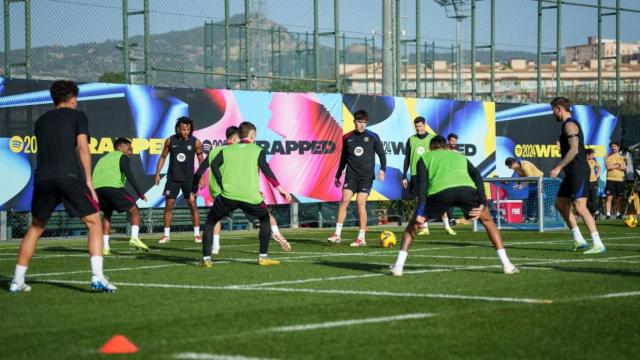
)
(332, 324)
(321, 291)
(207, 356)
(106, 270)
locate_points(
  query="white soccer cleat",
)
(334, 239)
(215, 251)
(197, 239)
(395, 270)
(164, 240)
(359, 242)
(510, 269)
(284, 244)
(15, 288)
(103, 285)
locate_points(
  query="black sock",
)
(265, 234)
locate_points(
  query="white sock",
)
(216, 241)
(446, 224)
(264, 255)
(275, 230)
(361, 234)
(596, 239)
(196, 231)
(135, 230)
(206, 258)
(338, 229)
(608, 213)
(96, 268)
(577, 236)
(166, 231)
(18, 276)
(402, 257)
(502, 254)
(424, 225)
(105, 241)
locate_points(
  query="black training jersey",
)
(56, 131)
(181, 155)
(358, 155)
(579, 163)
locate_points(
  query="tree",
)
(112, 77)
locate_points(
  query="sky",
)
(66, 22)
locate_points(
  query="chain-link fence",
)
(292, 46)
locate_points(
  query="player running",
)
(574, 186)
(359, 148)
(235, 168)
(417, 145)
(182, 147)
(63, 175)
(214, 190)
(109, 176)
(446, 179)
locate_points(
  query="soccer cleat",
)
(103, 285)
(358, 243)
(215, 251)
(284, 244)
(265, 261)
(106, 251)
(15, 288)
(423, 231)
(395, 270)
(206, 263)
(510, 269)
(197, 238)
(138, 244)
(607, 217)
(596, 250)
(619, 217)
(164, 239)
(334, 239)
(579, 246)
(450, 231)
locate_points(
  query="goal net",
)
(523, 203)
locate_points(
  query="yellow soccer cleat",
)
(138, 244)
(106, 251)
(264, 261)
(423, 231)
(206, 263)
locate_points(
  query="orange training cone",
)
(119, 344)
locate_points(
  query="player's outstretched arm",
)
(379, 148)
(216, 163)
(125, 167)
(264, 167)
(163, 157)
(199, 151)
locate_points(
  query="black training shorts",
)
(74, 194)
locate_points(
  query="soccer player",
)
(109, 176)
(235, 169)
(182, 147)
(592, 196)
(359, 148)
(573, 189)
(63, 175)
(526, 168)
(446, 179)
(214, 189)
(417, 145)
(616, 165)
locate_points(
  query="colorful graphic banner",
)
(392, 119)
(530, 132)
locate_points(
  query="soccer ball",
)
(387, 239)
(631, 221)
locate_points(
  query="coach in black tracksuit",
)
(359, 149)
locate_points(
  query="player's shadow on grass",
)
(600, 271)
(366, 267)
(168, 258)
(63, 249)
(5, 282)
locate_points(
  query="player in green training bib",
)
(446, 179)
(214, 190)
(417, 145)
(109, 176)
(235, 168)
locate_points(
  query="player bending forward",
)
(446, 179)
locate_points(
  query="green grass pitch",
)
(330, 302)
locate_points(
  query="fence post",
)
(320, 218)
(541, 202)
(3, 226)
(293, 209)
(149, 220)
